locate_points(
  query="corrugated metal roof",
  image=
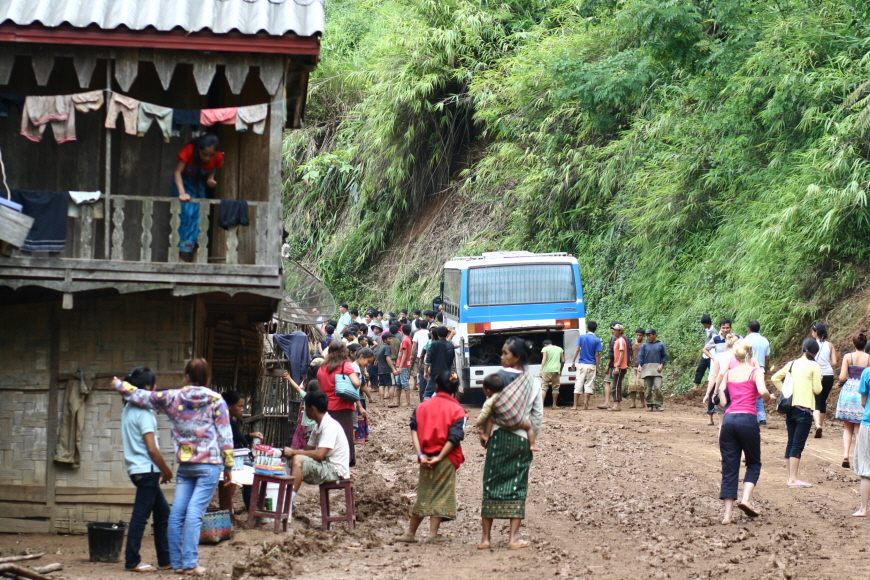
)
(275, 17)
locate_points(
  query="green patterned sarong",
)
(436, 492)
(506, 476)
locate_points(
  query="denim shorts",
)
(403, 381)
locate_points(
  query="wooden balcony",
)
(134, 247)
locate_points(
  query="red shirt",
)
(327, 385)
(186, 155)
(433, 419)
(405, 353)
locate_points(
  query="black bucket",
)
(105, 541)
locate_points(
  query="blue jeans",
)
(149, 499)
(403, 381)
(430, 388)
(194, 488)
(797, 423)
(760, 410)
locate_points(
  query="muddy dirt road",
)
(612, 495)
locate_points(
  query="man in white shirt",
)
(419, 339)
(326, 457)
(761, 353)
(344, 320)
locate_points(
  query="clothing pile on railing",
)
(59, 111)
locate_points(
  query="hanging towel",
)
(254, 115)
(77, 198)
(128, 107)
(48, 210)
(40, 111)
(160, 115)
(9, 100)
(69, 442)
(89, 101)
(295, 346)
(185, 117)
(209, 117)
(234, 212)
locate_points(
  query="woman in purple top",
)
(739, 433)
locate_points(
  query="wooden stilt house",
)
(114, 293)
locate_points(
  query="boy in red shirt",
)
(403, 364)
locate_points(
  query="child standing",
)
(499, 408)
(364, 358)
(147, 470)
(386, 369)
(650, 363)
(197, 163)
(635, 382)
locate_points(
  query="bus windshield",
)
(521, 284)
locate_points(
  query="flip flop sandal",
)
(439, 539)
(405, 539)
(142, 568)
(519, 545)
(747, 510)
(846, 463)
(484, 546)
(802, 484)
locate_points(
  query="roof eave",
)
(288, 44)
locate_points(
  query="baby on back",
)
(504, 406)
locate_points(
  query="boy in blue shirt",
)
(147, 470)
(589, 352)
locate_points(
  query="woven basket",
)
(217, 526)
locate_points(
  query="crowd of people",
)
(377, 358)
(736, 390)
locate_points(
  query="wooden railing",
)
(145, 229)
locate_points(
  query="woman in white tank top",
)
(827, 359)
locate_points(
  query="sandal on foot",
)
(198, 571)
(818, 432)
(748, 510)
(603, 407)
(144, 568)
(405, 539)
(519, 545)
(802, 484)
(439, 539)
(846, 463)
(482, 546)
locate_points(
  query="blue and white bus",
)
(500, 294)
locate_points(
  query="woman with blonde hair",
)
(739, 433)
(849, 408)
(721, 363)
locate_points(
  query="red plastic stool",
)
(281, 513)
(349, 500)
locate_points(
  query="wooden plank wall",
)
(105, 336)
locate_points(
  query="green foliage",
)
(698, 157)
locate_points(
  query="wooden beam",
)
(64, 264)
(25, 510)
(34, 493)
(56, 319)
(16, 526)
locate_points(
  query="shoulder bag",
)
(344, 389)
(783, 401)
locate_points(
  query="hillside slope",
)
(698, 157)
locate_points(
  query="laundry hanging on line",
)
(137, 116)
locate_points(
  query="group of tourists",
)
(737, 391)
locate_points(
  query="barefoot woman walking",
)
(508, 455)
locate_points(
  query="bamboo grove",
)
(705, 156)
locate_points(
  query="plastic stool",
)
(281, 513)
(349, 500)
